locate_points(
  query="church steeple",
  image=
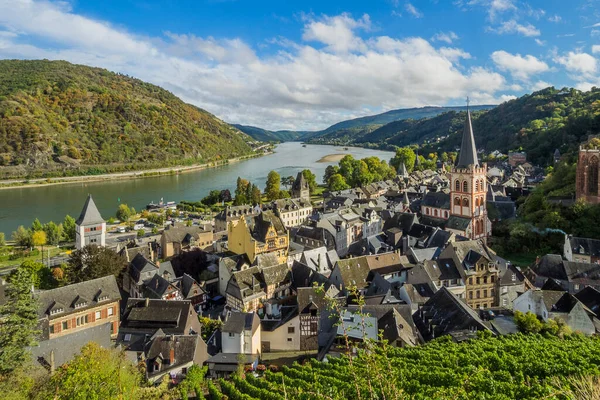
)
(468, 151)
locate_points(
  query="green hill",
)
(354, 129)
(265, 135)
(538, 123)
(509, 367)
(58, 118)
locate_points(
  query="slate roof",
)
(189, 287)
(259, 225)
(443, 314)
(238, 322)
(590, 297)
(458, 223)
(506, 278)
(78, 296)
(276, 275)
(183, 346)
(156, 287)
(304, 276)
(318, 259)
(182, 234)
(169, 315)
(311, 298)
(589, 247)
(240, 284)
(300, 183)
(387, 262)
(354, 271)
(395, 327)
(89, 214)
(468, 152)
(402, 221)
(553, 266)
(436, 200)
(442, 269)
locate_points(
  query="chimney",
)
(172, 356)
(146, 302)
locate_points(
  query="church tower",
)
(468, 188)
(300, 188)
(90, 227)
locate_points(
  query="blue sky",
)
(308, 64)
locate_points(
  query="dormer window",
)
(56, 311)
(102, 297)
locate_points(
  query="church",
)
(463, 210)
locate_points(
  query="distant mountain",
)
(265, 135)
(58, 118)
(539, 123)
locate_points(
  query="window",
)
(111, 311)
(485, 279)
(513, 277)
(470, 281)
(465, 186)
(470, 294)
(484, 292)
(478, 294)
(291, 329)
(465, 202)
(492, 278)
(478, 280)
(492, 293)
(576, 286)
(65, 325)
(457, 201)
(98, 315)
(457, 185)
(504, 289)
(484, 305)
(51, 328)
(231, 334)
(504, 302)
(289, 339)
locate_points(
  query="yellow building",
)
(259, 234)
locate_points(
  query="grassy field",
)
(6, 251)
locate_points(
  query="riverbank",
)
(25, 183)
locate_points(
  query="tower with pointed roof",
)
(468, 214)
(90, 228)
(300, 188)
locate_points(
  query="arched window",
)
(477, 202)
(427, 211)
(465, 187)
(477, 185)
(593, 176)
(435, 212)
(446, 214)
(457, 185)
(457, 200)
(580, 176)
(465, 202)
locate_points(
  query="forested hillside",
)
(509, 367)
(57, 116)
(538, 123)
(265, 135)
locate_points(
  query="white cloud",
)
(539, 85)
(519, 67)
(512, 26)
(540, 42)
(493, 7)
(581, 66)
(337, 32)
(412, 10)
(447, 37)
(595, 49)
(507, 97)
(306, 85)
(555, 18)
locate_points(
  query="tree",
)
(241, 191)
(528, 323)
(213, 197)
(272, 187)
(42, 275)
(38, 238)
(95, 373)
(22, 237)
(36, 225)
(337, 182)
(287, 181)
(311, 179)
(155, 231)
(404, 155)
(225, 196)
(19, 320)
(329, 172)
(69, 227)
(124, 213)
(53, 233)
(2, 239)
(93, 262)
(141, 233)
(256, 197)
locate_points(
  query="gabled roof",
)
(590, 297)
(148, 315)
(354, 271)
(436, 200)
(89, 214)
(586, 246)
(468, 151)
(183, 347)
(458, 223)
(276, 275)
(238, 322)
(78, 296)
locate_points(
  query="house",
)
(160, 288)
(436, 205)
(241, 333)
(71, 316)
(582, 250)
(571, 275)
(516, 158)
(227, 266)
(320, 259)
(350, 272)
(293, 212)
(512, 284)
(232, 214)
(175, 240)
(555, 304)
(314, 237)
(246, 289)
(254, 235)
(445, 314)
(141, 270)
(90, 227)
(280, 328)
(391, 266)
(223, 365)
(191, 290)
(173, 355)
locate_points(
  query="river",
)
(20, 206)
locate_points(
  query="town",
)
(259, 286)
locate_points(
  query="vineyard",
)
(509, 367)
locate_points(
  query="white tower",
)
(90, 227)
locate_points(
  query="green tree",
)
(95, 373)
(93, 262)
(42, 275)
(2, 239)
(256, 197)
(404, 155)
(194, 382)
(36, 225)
(287, 181)
(337, 182)
(241, 191)
(155, 231)
(19, 320)
(329, 172)
(124, 213)
(141, 233)
(528, 323)
(311, 180)
(69, 227)
(213, 197)
(272, 187)
(53, 233)
(22, 237)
